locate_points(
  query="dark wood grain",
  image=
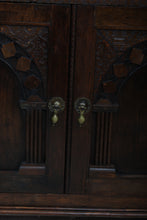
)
(83, 87)
(129, 141)
(58, 64)
(121, 18)
(12, 136)
(70, 97)
(69, 214)
(57, 18)
(117, 185)
(27, 137)
(85, 2)
(83, 48)
(102, 140)
(11, 13)
(85, 202)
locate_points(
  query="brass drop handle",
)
(82, 106)
(81, 119)
(56, 105)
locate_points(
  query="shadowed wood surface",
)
(75, 201)
(83, 87)
(41, 151)
(129, 141)
(85, 2)
(12, 149)
(95, 49)
(61, 218)
(118, 18)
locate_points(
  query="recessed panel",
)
(12, 141)
(129, 139)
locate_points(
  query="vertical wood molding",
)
(31, 135)
(27, 137)
(109, 137)
(70, 94)
(58, 78)
(35, 117)
(40, 136)
(83, 87)
(102, 146)
(103, 138)
(34, 136)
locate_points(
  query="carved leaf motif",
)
(8, 50)
(110, 45)
(120, 70)
(34, 40)
(136, 56)
(109, 87)
(23, 64)
(32, 82)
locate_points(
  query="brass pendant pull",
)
(81, 119)
(56, 105)
(55, 118)
(82, 106)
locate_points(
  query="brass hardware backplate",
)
(82, 105)
(56, 104)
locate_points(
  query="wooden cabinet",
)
(73, 109)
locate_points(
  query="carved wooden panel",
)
(34, 39)
(110, 45)
(23, 66)
(132, 59)
(128, 142)
(35, 131)
(119, 53)
(24, 83)
(107, 98)
(102, 143)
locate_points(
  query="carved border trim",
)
(70, 91)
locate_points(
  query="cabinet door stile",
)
(58, 64)
(83, 87)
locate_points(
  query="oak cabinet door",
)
(34, 44)
(108, 152)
